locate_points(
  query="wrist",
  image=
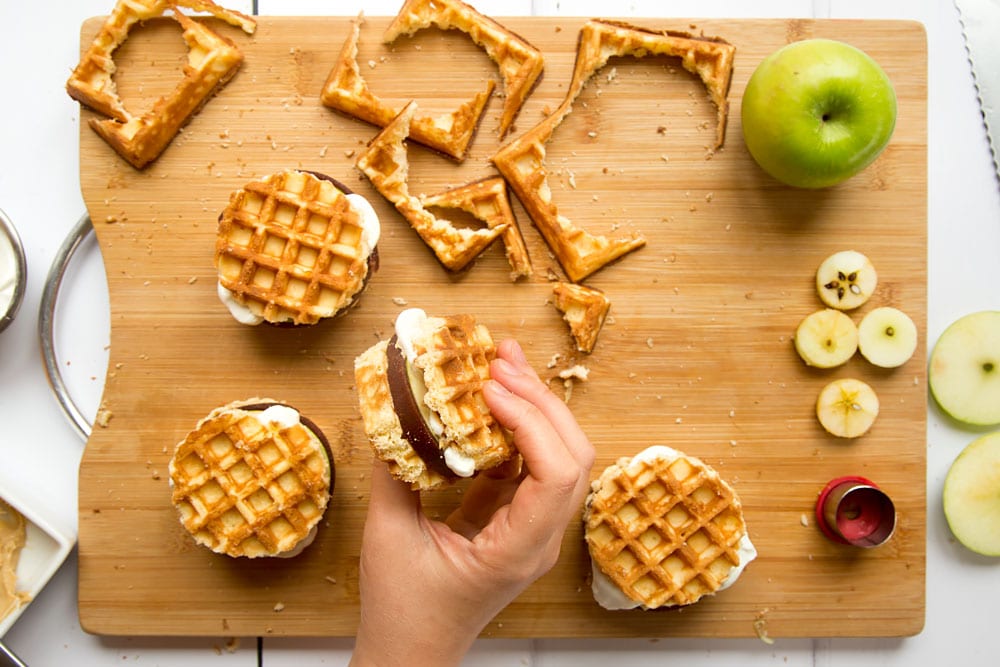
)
(409, 646)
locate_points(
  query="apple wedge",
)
(971, 496)
(964, 369)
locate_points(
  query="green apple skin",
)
(964, 369)
(971, 496)
(816, 112)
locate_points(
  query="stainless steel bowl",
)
(8, 236)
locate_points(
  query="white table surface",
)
(40, 452)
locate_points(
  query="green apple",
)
(971, 496)
(964, 369)
(816, 112)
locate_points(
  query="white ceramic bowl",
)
(13, 271)
(45, 549)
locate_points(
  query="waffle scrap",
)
(665, 530)
(347, 91)
(292, 248)
(519, 62)
(454, 354)
(487, 200)
(584, 309)
(522, 161)
(212, 61)
(246, 487)
(386, 165)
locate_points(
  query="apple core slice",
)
(971, 496)
(964, 369)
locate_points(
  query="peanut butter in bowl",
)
(12, 538)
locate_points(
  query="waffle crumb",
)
(760, 627)
(103, 417)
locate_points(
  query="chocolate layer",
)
(412, 422)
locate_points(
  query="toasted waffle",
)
(347, 91)
(522, 161)
(487, 200)
(293, 248)
(386, 165)
(245, 485)
(584, 309)
(519, 62)
(453, 353)
(710, 58)
(664, 528)
(212, 61)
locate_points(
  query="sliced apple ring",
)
(826, 338)
(887, 337)
(847, 408)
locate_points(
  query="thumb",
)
(391, 499)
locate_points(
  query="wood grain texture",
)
(697, 353)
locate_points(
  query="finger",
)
(511, 350)
(479, 503)
(392, 502)
(516, 376)
(556, 481)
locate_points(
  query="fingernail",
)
(506, 367)
(496, 388)
(518, 353)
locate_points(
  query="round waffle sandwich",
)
(421, 401)
(294, 248)
(252, 479)
(663, 530)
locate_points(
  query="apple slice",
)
(846, 280)
(847, 408)
(887, 337)
(971, 496)
(826, 338)
(964, 370)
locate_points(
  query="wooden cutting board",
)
(697, 353)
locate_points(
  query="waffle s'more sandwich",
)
(420, 395)
(252, 479)
(663, 530)
(294, 248)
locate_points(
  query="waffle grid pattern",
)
(290, 247)
(455, 360)
(666, 532)
(247, 489)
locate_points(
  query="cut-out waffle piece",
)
(212, 61)
(522, 161)
(519, 62)
(347, 91)
(386, 165)
(710, 58)
(487, 200)
(584, 309)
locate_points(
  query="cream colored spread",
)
(12, 535)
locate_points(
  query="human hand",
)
(428, 588)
